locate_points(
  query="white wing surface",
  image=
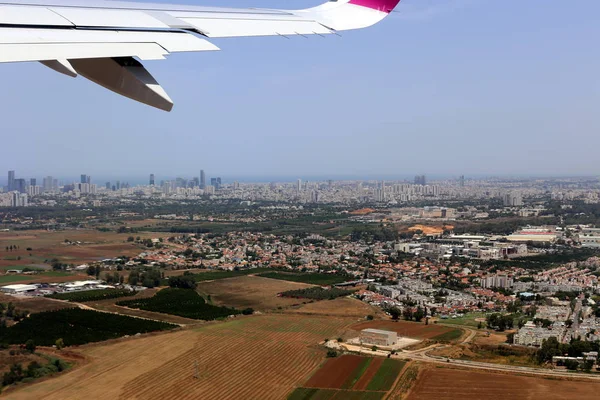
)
(103, 40)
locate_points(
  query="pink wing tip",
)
(380, 5)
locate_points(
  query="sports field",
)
(259, 357)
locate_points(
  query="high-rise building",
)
(33, 182)
(213, 182)
(461, 181)
(299, 185)
(18, 199)
(420, 180)
(48, 184)
(202, 179)
(108, 185)
(11, 180)
(85, 179)
(118, 185)
(151, 179)
(20, 185)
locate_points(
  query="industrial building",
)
(18, 288)
(378, 337)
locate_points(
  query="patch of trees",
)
(369, 234)
(317, 293)
(34, 370)
(500, 322)
(182, 302)
(417, 314)
(76, 326)
(8, 311)
(151, 277)
(575, 348)
(93, 295)
(182, 282)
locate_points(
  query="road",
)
(424, 356)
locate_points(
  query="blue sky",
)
(445, 87)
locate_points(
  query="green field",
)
(185, 303)
(386, 375)
(468, 319)
(450, 336)
(313, 279)
(357, 373)
(14, 278)
(333, 394)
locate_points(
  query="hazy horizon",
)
(502, 88)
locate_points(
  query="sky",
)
(441, 87)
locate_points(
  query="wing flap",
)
(20, 44)
(218, 28)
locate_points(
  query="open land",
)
(412, 329)
(445, 383)
(161, 366)
(63, 245)
(351, 377)
(348, 307)
(250, 291)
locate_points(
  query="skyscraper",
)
(299, 185)
(33, 182)
(20, 185)
(202, 179)
(151, 179)
(83, 178)
(420, 180)
(11, 180)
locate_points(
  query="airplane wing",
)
(103, 40)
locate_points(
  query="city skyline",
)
(438, 86)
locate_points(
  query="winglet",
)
(342, 15)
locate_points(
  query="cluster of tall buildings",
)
(196, 182)
(513, 199)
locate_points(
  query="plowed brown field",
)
(259, 357)
(450, 384)
(334, 372)
(344, 307)
(251, 291)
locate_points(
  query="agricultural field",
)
(93, 295)
(34, 304)
(76, 326)
(317, 293)
(309, 278)
(471, 320)
(247, 358)
(351, 376)
(343, 307)
(86, 246)
(216, 275)
(416, 330)
(185, 303)
(250, 291)
(445, 383)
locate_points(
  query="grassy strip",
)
(386, 375)
(450, 336)
(333, 394)
(357, 373)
